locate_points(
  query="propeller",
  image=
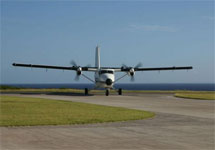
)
(78, 69)
(131, 70)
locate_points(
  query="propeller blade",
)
(89, 65)
(124, 66)
(138, 65)
(132, 79)
(73, 63)
(77, 78)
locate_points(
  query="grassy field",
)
(19, 111)
(197, 95)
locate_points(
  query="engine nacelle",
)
(131, 72)
(79, 70)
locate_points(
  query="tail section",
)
(97, 61)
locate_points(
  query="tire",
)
(86, 91)
(120, 92)
(107, 93)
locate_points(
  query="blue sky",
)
(157, 33)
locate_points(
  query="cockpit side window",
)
(109, 71)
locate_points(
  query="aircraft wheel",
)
(120, 92)
(86, 91)
(107, 92)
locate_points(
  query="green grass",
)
(22, 111)
(197, 95)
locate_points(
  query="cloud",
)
(139, 27)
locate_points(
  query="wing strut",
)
(87, 77)
(120, 78)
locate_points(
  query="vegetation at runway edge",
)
(16, 89)
(23, 111)
(206, 95)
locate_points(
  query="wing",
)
(163, 68)
(127, 69)
(55, 67)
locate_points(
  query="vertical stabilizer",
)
(97, 61)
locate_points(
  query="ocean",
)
(129, 86)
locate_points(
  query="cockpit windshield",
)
(106, 71)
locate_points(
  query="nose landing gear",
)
(86, 91)
(107, 92)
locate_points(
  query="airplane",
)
(104, 76)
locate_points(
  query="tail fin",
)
(97, 61)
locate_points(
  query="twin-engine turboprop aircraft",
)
(104, 76)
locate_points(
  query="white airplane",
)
(104, 76)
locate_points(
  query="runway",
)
(179, 124)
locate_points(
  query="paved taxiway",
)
(181, 124)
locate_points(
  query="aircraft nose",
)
(109, 81)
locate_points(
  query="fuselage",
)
(104, 78)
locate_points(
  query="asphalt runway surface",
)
(179, 124)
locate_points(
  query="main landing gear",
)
(86, 91)
(120, 91)
(107, 92)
